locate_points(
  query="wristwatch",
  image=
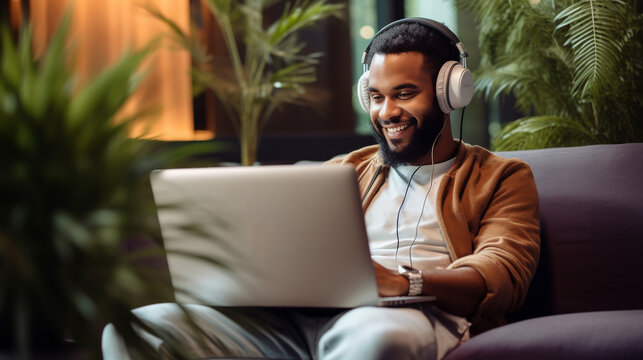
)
(414, 276)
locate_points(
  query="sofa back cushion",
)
(591, 206)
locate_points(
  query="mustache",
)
(382, 122)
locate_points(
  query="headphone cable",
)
(461, 123)
(408, 185)
(417, 225)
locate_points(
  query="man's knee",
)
(167, 318)
(112, 344)
(372, 333)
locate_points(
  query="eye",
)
(405, 95)
(376, 97)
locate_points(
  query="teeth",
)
(397, 129)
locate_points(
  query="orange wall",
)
(102, 31)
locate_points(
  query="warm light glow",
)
(102, 31)
(366, 32)
(15, 14)
(534, 2)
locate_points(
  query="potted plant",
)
(265, 67)
(74, 189)
(573, 66)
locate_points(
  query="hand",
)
(390, 283)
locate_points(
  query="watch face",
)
(406, 269)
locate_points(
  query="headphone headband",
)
(432, 24)
(454, 82)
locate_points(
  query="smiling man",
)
(404, 114)
(444, 218)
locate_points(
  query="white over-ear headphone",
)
(454, 86)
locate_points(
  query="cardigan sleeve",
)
(506, 241)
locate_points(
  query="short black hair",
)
(406, 37)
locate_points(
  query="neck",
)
(444, 149)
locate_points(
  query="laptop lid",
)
(291, 236)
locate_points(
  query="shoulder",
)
(484, 174)
(472, 157)
(358, 158)
(371, 172)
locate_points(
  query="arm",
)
(505, 242)
(458, 291)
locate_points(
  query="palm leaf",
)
(539, 132)
(197, 51)
(522, 76)
(74, 186)
(97, 96)
(596, 30)
(294, 75)
(301, 14)
(269, 71)
(577, 60)
(10, 60)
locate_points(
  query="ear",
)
(363, 95)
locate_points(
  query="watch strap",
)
(415, 283)
(414, 276)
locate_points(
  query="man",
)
(444, 218)
(485, 208)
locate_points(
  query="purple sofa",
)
(586, 299)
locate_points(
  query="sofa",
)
(586, 299)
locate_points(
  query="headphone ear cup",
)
(442, 86)
(454, 86)
(363, 95)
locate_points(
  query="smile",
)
(397, 129)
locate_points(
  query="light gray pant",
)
(417, 332)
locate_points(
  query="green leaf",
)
(300, 15)
(50, 81)
(10, 75)
(596, 30)
(573, 59)
(539, 132)
(107, 93)
(74, 187)
(265, 67)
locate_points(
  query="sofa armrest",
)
(590, 335)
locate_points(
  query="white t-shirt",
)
(419, 233)
(418, 229)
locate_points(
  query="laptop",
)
(267, 236)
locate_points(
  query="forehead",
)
(394, 69)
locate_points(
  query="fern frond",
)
(522, 75)
(596, 31)
(539, 132)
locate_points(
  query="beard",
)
(420, 143)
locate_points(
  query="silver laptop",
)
(278, 236)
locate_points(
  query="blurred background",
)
(333, 124)
(329, 122)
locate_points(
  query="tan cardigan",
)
(488, 213)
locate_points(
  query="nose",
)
(390, 111)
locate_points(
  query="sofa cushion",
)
(590, 335)
(591, 201)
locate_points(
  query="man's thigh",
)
(415, 332)
(239, 332)
(364, 333)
